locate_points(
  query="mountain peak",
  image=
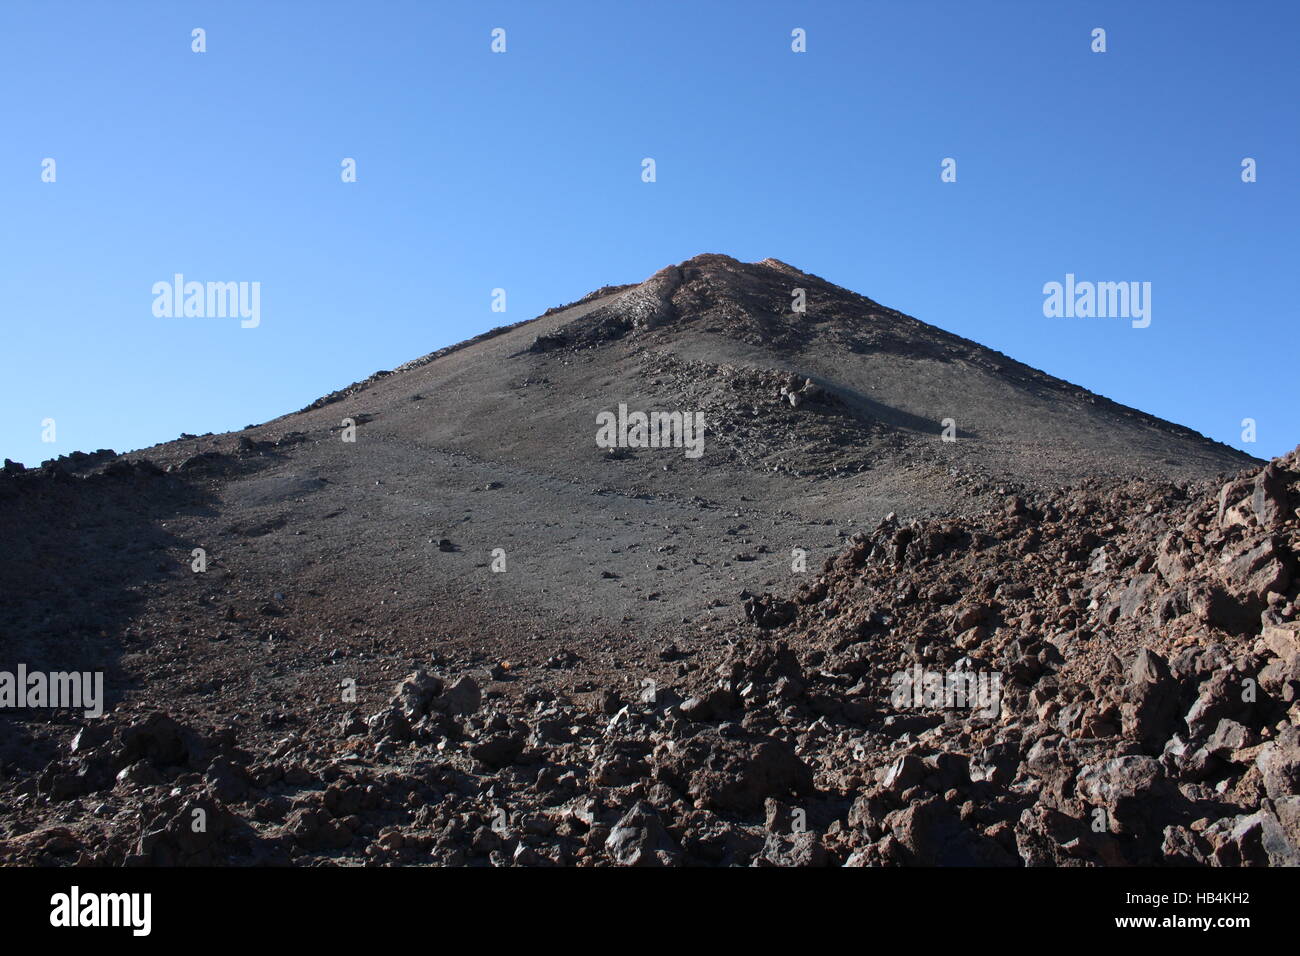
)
(721, 265)
(768, 303)
(892, 380)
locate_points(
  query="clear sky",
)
(522, 170)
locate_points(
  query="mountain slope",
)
(662, 343)
(675, 537)
(475, 528)
(815, 424)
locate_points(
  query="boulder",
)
(640, 839)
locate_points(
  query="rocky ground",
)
(1145, 635)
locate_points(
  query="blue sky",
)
(522, 171)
